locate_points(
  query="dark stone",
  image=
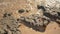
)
(18, 19)
(5, 15)
(5, 32)
(58, 13)
(9, 14)
(21, 11)
(27, 11)
(41, 7)
(33, 24)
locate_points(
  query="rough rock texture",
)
(38, 16)
(9, 25)
(36, 22)
(40, 21)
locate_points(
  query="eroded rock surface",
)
(40, 21)
(9, 25)
(36, 14)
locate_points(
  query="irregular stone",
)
(35, 22)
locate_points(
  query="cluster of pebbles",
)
(9, 25)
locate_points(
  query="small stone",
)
(21, 11)
(27, 11)
(9, 14)
(58, 13)
(18, 19)
(5, 15)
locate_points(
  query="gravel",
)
(9, 25)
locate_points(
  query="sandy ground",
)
(52, 28)
(14, 5)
